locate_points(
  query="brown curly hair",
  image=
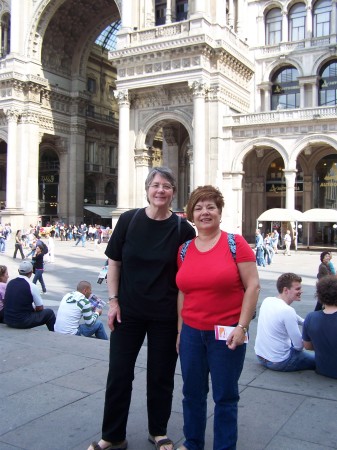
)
(202, 193)
(326, 289)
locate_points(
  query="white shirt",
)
(277, 330)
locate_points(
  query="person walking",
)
(143, 302)
(218, 289)
(39, 267)
(287, 243)
(18, 245)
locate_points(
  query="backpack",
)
(230, 240)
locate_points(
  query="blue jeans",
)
(260, 257)
(298, 360)
(2, 245)
(200, 354)
(96, 329)
(39, 277)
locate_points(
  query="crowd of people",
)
(189, 295)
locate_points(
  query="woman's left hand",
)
(237, 337)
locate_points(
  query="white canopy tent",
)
(281, 215)
(319, 215)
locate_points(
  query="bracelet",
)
(112, 297)
(245, 329)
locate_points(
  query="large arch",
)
(257, 143)
(179, 116)
(311, 140)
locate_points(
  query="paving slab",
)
(53, 386)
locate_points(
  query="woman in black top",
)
(18, 245)
(142, 254)
(39, 267)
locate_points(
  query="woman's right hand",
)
(114, 313)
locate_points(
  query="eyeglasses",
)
(165, 187)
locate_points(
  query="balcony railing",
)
(284, 115)
(102, 117)
(287, 47)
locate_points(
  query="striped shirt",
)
(73, 307)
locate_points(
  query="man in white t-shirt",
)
(278, 344)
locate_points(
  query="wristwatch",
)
(245, 329)
(112, 297)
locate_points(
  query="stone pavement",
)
(52, 386)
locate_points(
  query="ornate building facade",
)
(240, 94)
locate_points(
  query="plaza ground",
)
(52, 386)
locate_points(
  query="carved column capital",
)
(122, 97)
(12, 114)
(198, 88)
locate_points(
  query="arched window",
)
(5, 35)
(285, 89)
(297, 17)
(273, 27)
(322, 18)
(328, 84)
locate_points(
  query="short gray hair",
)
(164, 172)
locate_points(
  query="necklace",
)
(207, 245)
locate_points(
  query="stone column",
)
(199, 7)
(315, 93)
(333, 18)
(168, 11)
(126, 15)
(76, 170)
(170, 156)
(241, 7)
(290, 177)
(284, 27)
(302, 94)
(143, 162)
(199, 90)
(28, 151)
(13, 163)
(122, 97)
(308, 24)
(237, 202)
(62, 145)
(231, 14)
(191, 166)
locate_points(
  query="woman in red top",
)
(216, 287)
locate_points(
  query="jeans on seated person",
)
(297, 360)
(96, 329)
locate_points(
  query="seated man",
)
(20, 296)
(319, 329)
(73, 307)
(278, 344)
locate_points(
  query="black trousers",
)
(36, 319)
(125, 344)
(18, 247)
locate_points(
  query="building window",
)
(273, 27)
(91, 85)
(285, 89)
(322, 18)
(5, 35)
(297, 18)
(328, 85)
(112, 156)
(181, 10)
(91, 154)
(160, 12)
(91, 111)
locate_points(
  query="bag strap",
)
(131, 222)
(230, 240)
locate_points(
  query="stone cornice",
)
(187, 45)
